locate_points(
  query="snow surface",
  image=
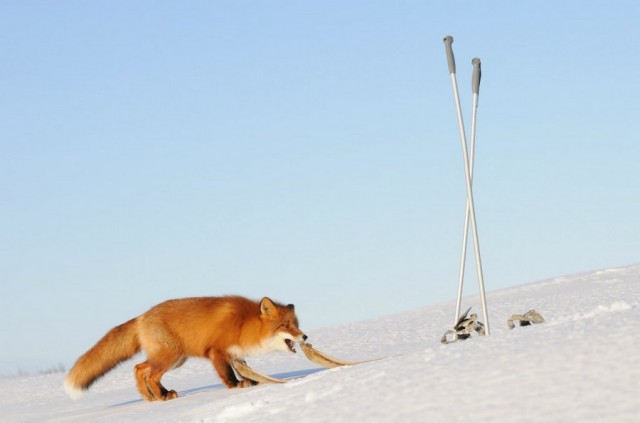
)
(581, 365)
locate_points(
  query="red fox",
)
(216, 328)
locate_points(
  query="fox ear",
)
(291, 307)
(267, 308)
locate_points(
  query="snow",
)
(580, 365)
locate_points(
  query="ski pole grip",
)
(477, 73)
(447, 45)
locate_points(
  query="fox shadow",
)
(284, 376)
(181, 394)
(219, 386)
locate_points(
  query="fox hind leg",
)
(148, 375)
(141, 372)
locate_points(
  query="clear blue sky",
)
(307, 151)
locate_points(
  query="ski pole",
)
(475, 88)
(448, 40)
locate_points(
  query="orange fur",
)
(215, 328)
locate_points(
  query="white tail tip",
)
(73, 391)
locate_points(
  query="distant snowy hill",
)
(581, 365)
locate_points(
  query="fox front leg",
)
(222, 365)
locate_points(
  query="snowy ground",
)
(582, 365)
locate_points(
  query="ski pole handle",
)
(447, 45)
(477, 73)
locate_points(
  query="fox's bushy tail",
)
(119, 344)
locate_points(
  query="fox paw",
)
(246, 383)
(169, 395)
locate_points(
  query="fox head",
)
(281, 324)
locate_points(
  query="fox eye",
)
(285, 325)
